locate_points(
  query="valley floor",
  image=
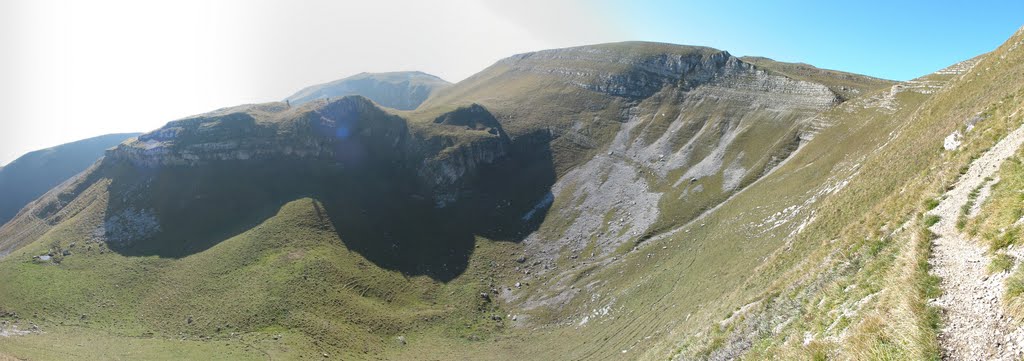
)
(974, 323)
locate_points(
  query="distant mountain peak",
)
(31, 175)
(402, 90)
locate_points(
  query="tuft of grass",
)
(927, 286)
(931, 220)
(965, 209)
(1000, 263)
(997, 220)
(1007, 238)
(1015, 284)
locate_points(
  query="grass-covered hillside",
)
(633, 201)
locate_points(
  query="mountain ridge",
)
(32, 174)
(402, 90)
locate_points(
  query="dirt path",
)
(974, 325)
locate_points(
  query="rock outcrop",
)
(349, 131)
(649, 67)
(268, 132)
(449, 160)
(446, 172)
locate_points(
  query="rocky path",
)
(974, 325)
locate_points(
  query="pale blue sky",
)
(76, 69)
(897, 40)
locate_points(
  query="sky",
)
(70, 69)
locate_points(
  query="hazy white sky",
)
(75, 69)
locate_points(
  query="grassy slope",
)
(252, 311)
(633, 287)
(668, 297)
(291, 276)
(668, 282)
(997, 223)
(880, 258)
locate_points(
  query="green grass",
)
(82, 343)
(901, 324)
(1000, 263)
(972, 198)
(996, 222)
(291, 274)
(1014, 296)
(850, 268)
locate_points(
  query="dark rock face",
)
(344, 130)
(350, 131)
(449, 171)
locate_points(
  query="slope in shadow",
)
(31, 175)
(375, 207)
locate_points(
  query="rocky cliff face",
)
(609, 70)
(648, 67)
(691, 126)
(349, 131)
(450, 161)
(446, 172)
(268, 132)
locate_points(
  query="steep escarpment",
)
(846, 85)
(181, 173)
(646, 136)
(611, 74)
(269, 132)
(639, 70)
(349, 131)
(451, 161)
